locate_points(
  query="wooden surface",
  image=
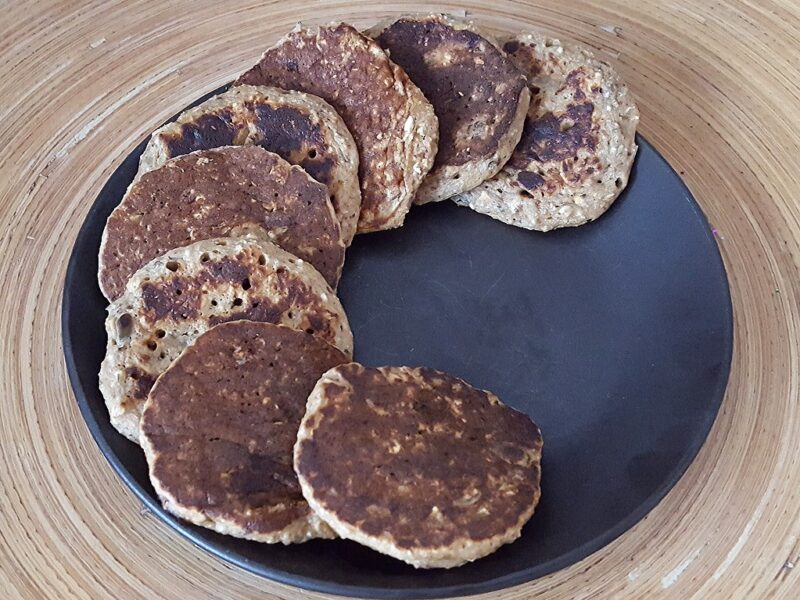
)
(82, 83)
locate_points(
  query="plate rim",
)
(360, 591)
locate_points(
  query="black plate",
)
(615, 337)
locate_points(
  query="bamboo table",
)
(81, 83)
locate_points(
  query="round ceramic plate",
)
(615, 337)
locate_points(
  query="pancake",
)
(479, 97)
(215, 193)
(302, 129)
(578, 145)
(219, 426)
(393, 125)
(417, 464)
(177, 296)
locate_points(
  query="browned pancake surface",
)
(214, 193)
(302, 129)
(180, 295)
(578, 142)
(377, 102)
(475, 90)
(418, 458)
(285, 130)
(222, 421)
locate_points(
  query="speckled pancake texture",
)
(215, 193)
(577, 147)
(177, 296)
(393, 125)
(301, 128)
(219, 427)
(478, 94)
(417, 464)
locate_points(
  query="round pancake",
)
(478, 95)
(215, 193)
(219, 426)
(302, 129)
(578, 145)
(177, 296)
(393, 125)
(417, 464)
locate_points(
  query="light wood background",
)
(81, 83)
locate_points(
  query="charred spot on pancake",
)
(124, 325)
(175, 298)
(292, 135)
(258, 309)
(318, 167)
(524, 57)
(143, 380)
(473, 87)
(575, 80)
(556, 137)
(530, 180)
(208, 131)
(511, 46)
(227, 269)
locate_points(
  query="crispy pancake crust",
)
(578, 145)
(479, 97)
(219, 426)
(302, 129)
(177, 296)
(214, 193)
(417, 464)
(393, 125)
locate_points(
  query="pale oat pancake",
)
(578, 145)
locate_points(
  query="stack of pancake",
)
(229, 353)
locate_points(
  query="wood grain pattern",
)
(83, 82)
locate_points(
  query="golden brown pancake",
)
(302, 129)
(417, 464)
(215, 193)
(176, 297)
(479, 97)
(392, 123)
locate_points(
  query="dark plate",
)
(615, 337)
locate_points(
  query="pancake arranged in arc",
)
(417, 464)
(393, 125)
(216, 193)
(479, 97)
(219, 426)
(302, 129)
(578, 145)
(177, 296)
